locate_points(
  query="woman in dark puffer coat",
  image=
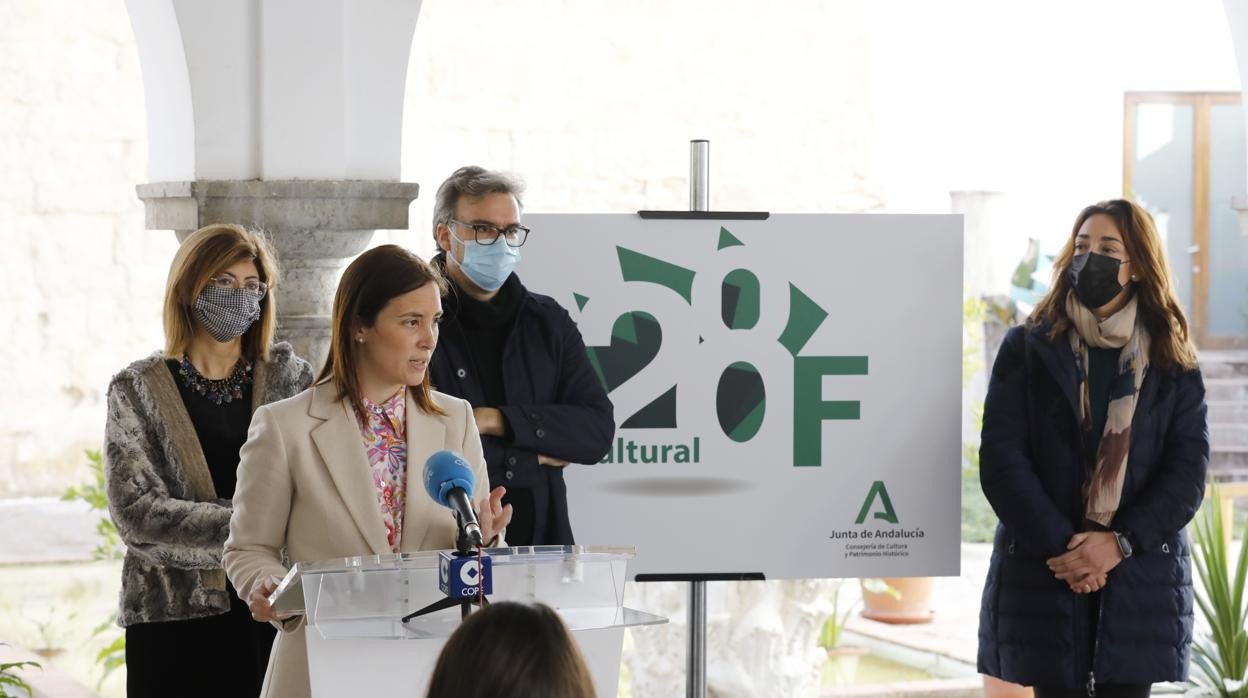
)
(1093, 455)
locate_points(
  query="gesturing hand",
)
(492, 514)
(1090, 558)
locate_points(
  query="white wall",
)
(1029, 102)
(810, 106)
(597, 102)
(80, 281)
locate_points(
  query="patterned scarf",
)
(1102, 492)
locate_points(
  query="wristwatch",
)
(1124, 544)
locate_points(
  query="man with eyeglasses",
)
(515, 355)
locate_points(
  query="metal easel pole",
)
(695, 682)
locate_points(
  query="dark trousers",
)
(223, 655)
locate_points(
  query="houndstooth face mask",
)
(226, 313)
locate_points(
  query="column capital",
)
(314, 226)
(284, 205)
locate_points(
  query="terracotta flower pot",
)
(911, 602)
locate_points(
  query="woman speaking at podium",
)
(336, 470)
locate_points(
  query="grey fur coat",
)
(160, 491)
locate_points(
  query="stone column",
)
(284, 115)
(315, 227)
(983, 230)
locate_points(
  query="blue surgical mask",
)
(488, 266)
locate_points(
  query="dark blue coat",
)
(555, 404)
(1033, 629)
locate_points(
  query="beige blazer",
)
(305, 487)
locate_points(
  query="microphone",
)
(449, 482)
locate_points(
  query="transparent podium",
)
(357, 638)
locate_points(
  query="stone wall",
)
(592, 103)
(81, 279)
(809, 105)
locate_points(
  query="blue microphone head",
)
(444, 471)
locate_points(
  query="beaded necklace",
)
(217, 391)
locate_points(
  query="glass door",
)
(1184, 160)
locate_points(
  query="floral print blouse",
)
(384, 428)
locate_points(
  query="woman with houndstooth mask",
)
(176, 422)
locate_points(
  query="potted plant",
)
(51, 633)
(1221, 655)
(843, 660)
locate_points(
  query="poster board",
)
(787, 391)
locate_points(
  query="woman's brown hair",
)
(368, 284)
(204, 253)
(511, 650)
(1158, 304)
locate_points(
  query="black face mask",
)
(1095, 279)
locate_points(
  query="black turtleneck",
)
(486, 326)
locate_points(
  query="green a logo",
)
(877, 490)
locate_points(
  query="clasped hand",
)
(1086, 564)
(490, 422)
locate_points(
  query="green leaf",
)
(8, 678)
(110, 665)
(113, 663)
(111, 658)
(118, 645)
(106, 625)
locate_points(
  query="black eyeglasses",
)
(486, 234)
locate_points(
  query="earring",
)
(360, 340)
(1133, 278)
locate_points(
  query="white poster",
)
(787, 392)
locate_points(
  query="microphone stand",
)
(463, 548)
(463, 545)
